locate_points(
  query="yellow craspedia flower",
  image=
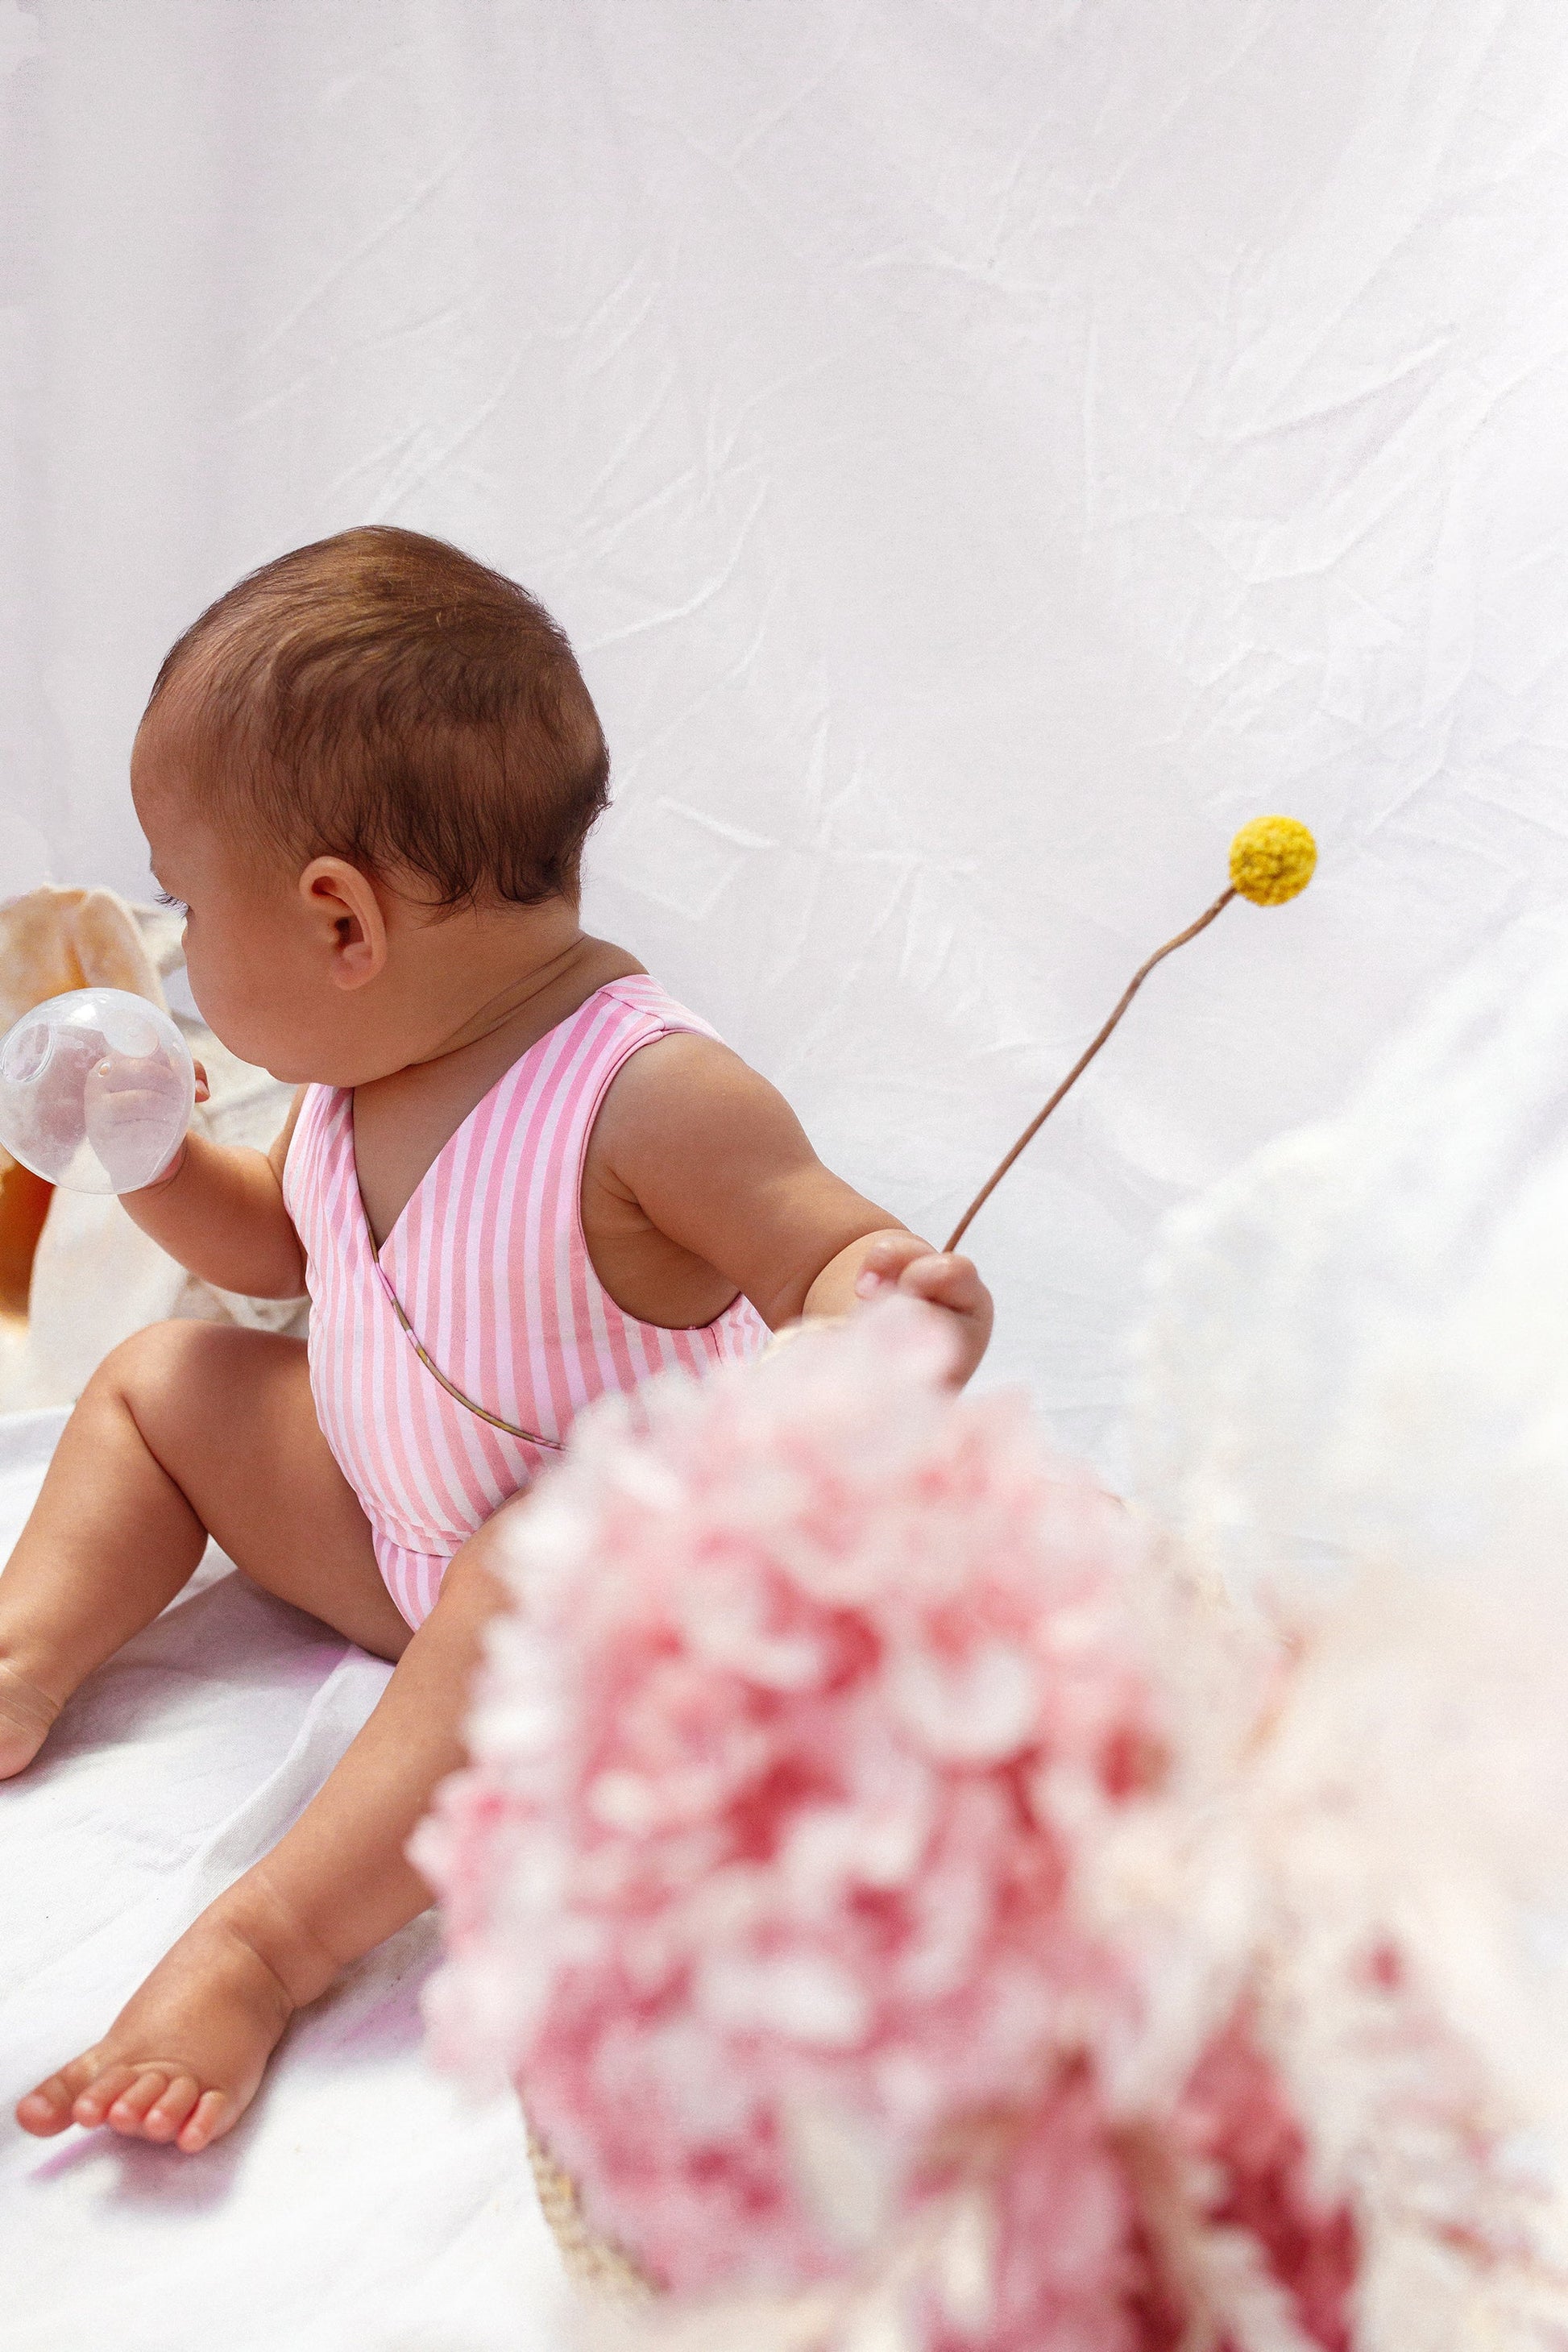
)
(1271, 859)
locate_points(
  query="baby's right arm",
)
(220, 1211)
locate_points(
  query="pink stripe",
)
(483, 1236)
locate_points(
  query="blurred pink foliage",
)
(769, 1884)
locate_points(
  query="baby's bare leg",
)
(187, 1430)
(182, 2060)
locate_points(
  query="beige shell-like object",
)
(53, 940)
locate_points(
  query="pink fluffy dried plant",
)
(771, 1884)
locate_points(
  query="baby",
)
(516, 1174)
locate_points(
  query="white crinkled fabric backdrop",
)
(983, 450)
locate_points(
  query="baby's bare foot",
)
(27, 1716)
(186, 2056)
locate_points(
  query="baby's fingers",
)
(885, 1261)
(203, 1089)
(951, 1281)
(954, 1283)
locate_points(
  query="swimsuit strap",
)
(529, 1436)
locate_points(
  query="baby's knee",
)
(474, 1584)
(168, 1381)
(159, 1359)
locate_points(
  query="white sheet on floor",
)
(363, 2205)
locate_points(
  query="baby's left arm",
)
(715, 1160)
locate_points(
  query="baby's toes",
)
(52, 2106)
(129, 2109)
(172, 2107)
(47, 2110)
(213, 2114)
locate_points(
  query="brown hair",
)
(383, 698)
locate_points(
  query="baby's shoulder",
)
(677, 1071)
(686, 1097)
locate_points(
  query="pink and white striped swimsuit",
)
(490, 1265)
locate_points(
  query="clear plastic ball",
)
(96, 1090)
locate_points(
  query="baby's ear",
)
(110, 949)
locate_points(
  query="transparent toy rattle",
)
(96, 1090)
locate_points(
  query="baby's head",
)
(359, 769)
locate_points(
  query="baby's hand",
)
(903, 1261)
(120, 1102)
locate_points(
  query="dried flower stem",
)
(1079, 1067)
